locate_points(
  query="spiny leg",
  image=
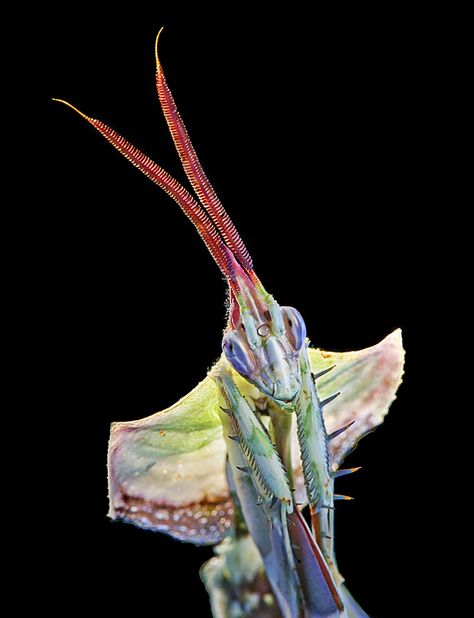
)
(315, 455)
(254, 442)
(273, 521)
(263, 492)
(313, 441)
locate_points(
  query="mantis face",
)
(262, 340)
(264, 348)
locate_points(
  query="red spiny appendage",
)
(172, 187)
(195, 173)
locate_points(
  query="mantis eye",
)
(295, 326)
(237, 354)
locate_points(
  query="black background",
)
(317, 133)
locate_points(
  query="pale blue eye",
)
(295, 326)
(237, 354)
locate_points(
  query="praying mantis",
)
(263, 435)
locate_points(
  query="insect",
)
(235, 460)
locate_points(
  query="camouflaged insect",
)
(264, 434)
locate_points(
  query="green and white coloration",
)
(235, 460)
(313, 439)
(263, 461)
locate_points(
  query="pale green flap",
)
(166, 471)
(367, 380)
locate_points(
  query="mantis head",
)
(262, 340)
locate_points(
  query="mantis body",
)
(255, 441)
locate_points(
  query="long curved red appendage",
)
(172, 187)
(194, 171)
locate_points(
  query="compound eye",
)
(295, 326)
(237, 354)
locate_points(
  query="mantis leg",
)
(255, 443)
(263, 492)
(315, 457)
(265, 499)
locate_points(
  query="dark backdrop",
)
(316, 134)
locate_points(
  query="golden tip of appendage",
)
(156, 46)
(71, 106)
